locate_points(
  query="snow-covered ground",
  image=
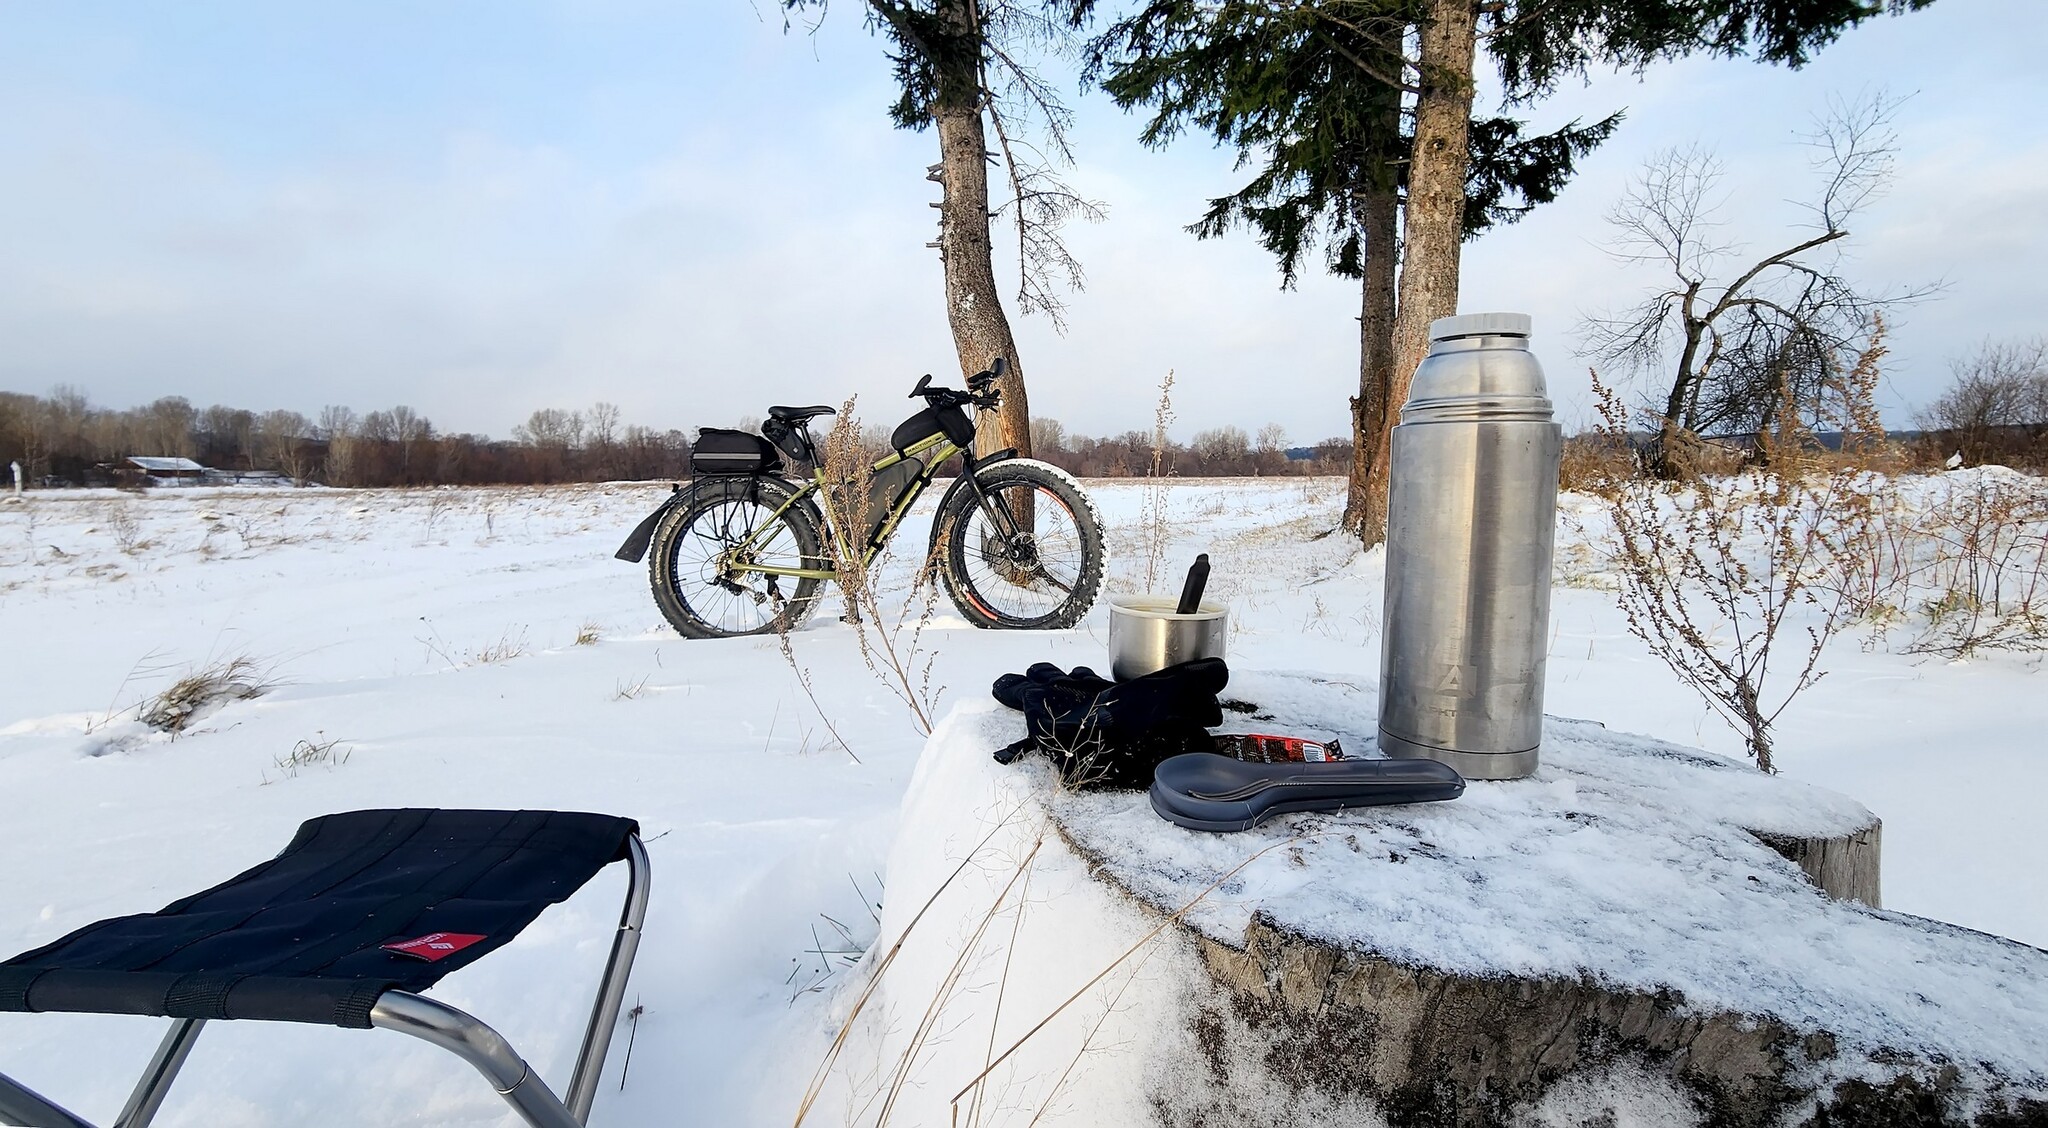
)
(434, 635)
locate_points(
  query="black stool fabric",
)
(298, 938)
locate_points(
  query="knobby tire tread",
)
(953, 547)
(703, 496)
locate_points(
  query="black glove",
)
(1101, 733)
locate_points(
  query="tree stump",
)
(1845, 866)
(1638, 934)
(1635, 927)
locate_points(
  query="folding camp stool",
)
(360, 913)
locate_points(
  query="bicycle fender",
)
(635, 548)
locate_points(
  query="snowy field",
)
(482, 648)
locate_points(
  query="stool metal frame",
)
(425, 1019)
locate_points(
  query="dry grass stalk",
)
(1592, 459)
(122, 525)
(1982, 579)
(588, 634)
(1172, 919)
(890, 640)
(1968, 558)
(832, 1052)
(200, 691)
(974, 1109)
(503, 650)
(1154, 529)
(1109, 1007)
(1712, 570)
(312, 753)
(803, 681)
(950, 984)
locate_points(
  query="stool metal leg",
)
(21, 1105)
(480, 1046)
(611, 990)
(155, 1082)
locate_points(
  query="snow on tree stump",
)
(1636, 935)
(1843, 865)
(1618, 936)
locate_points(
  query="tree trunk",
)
(1375, 348)
(974, 308)
(1434, 226)
(1663, 463)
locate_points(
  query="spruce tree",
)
(1312, 94)
(1263, 76)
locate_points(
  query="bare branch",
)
(1854, 147)
(1040, 202)
(1782, 325)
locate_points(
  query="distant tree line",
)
(1219, 452)
(62, 437)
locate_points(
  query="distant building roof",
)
(167, 465)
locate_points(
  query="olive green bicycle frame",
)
(939, 446)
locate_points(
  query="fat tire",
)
(952, 546)
(700, 499)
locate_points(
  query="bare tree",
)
(964, 69)
(409, 429)
(169, 430)
(336, 419)
(1998, 405)
(551, 427)
(1726, 340)
(378, 427)
(1270, 451)
(1220, 449)
(281, 441)
(1048, 435)
(604, 437)
(338, 427)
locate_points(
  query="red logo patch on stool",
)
(433, 946)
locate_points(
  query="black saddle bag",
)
(720, 451)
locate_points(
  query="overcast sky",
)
(478, 209)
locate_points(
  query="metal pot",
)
(1146, 634)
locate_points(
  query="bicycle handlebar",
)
(981, 392)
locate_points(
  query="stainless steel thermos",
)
(1471, 520)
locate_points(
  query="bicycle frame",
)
(939, 447)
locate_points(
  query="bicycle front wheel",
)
(701, 549)
(1028, 559)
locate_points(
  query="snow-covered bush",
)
(1960, 559)
(1712, 570)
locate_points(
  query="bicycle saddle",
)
(1204, 791)
(799, 414)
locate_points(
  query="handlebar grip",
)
(999, 367)
(921, 386)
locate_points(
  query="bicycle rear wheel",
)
(699, 548)
(1042, 575)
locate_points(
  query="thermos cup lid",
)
(1477, 324)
